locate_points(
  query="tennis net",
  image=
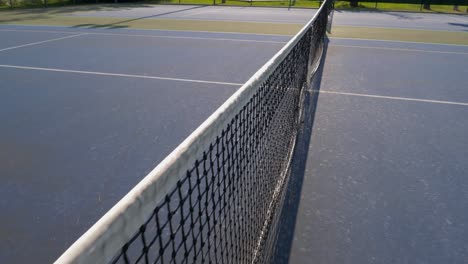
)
(217, 198)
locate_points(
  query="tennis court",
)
(87, 113)
(88, 110)
(384, 179)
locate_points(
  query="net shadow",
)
(218, 197)
(293, 193)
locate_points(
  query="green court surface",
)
(160, 24)
(413, 35)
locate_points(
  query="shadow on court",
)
(289, 212)
(117, 24)
(80, 8)
(463, 25)
(40, 13)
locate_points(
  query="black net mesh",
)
(225, 208)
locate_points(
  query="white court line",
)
(258, 21)
(40, 42)
(400, 41)
(153, 36)
(418, 28)
(400, 49)
(118, 75)
(198, 13)
(195, 38)
(394, 98)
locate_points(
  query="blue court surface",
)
(86, 115)
(384, 179)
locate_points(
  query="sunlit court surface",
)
(92, 98)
